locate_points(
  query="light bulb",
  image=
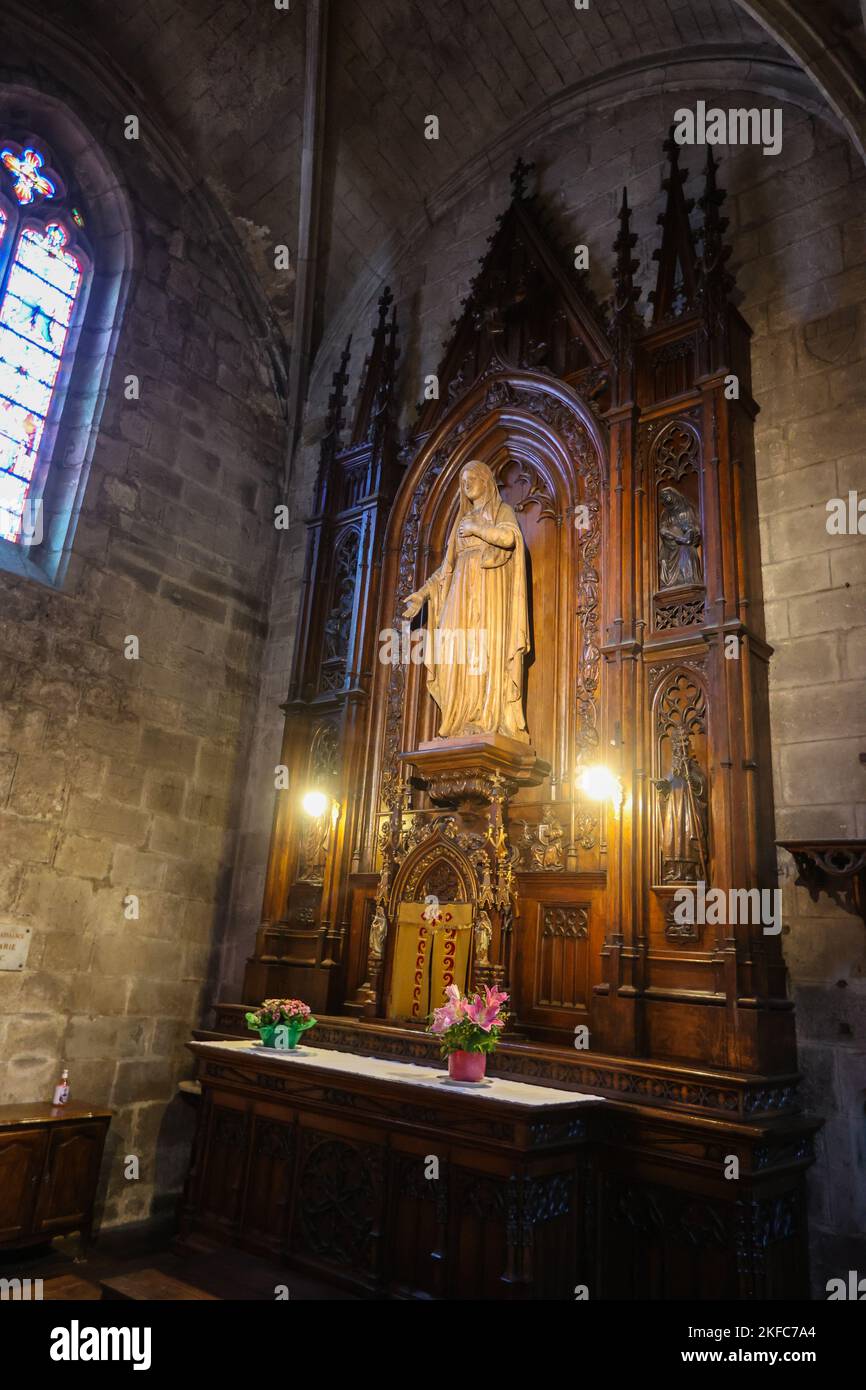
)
(600, 784)
(315, 803)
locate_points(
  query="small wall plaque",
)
(14, 945)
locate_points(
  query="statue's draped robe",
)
(679, 538)
(479, 589)
(683, 832)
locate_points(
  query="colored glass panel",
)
(35, 314)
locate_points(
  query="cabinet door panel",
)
(69, 1182)
(21, 1157)
(223, 1164)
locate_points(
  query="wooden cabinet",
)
(49, 1167)
(22, 1157)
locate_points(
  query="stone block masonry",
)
(120, 778)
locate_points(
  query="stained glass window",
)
(29, 182)
(40, 283)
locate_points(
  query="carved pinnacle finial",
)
(386, 299)
(674, 292)
(625, 265)
(710, 204)
(672, 150)
(624, 320)
(519, 176)
(714, 279)
(337, 398)
(377, 377)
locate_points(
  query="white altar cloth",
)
(348, 1063)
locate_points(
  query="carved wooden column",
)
(300, 947)
(616, 1022)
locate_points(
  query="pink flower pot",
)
(466, 1066)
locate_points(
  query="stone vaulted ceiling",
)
(479, 68)
(227, 78)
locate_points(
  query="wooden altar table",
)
(386, 1177)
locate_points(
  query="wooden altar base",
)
(633, 1203)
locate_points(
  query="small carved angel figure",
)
(679, 541)
(378, 932)
(483, 938)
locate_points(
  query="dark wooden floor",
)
(228, 1274)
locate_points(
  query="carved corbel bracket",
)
(484, 768)
(834, 867)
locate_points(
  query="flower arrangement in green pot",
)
(280, 1022)
(467, 1029)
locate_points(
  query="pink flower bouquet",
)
(292, 1016)
(469, 1024)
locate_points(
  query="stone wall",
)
(797, 227)
(122, 777)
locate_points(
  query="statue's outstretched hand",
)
(414, 603)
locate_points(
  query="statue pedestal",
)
(479, 768)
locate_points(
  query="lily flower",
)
(485, 1012)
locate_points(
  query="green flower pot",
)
(290, 1032)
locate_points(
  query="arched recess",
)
(93, 183)
(674, 467)
(438, 868)
(679, 709)
(550, 455)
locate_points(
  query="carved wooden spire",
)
(337, 398)
(336, 419)
(676, 286)
(386, 379)
(714, 280)
(625, 295)
(377, 378)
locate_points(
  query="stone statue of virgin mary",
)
(478, 620)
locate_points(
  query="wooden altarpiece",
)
(625, 447)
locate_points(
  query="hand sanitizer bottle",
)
(61, 1090)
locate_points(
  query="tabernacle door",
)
(431, 952)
